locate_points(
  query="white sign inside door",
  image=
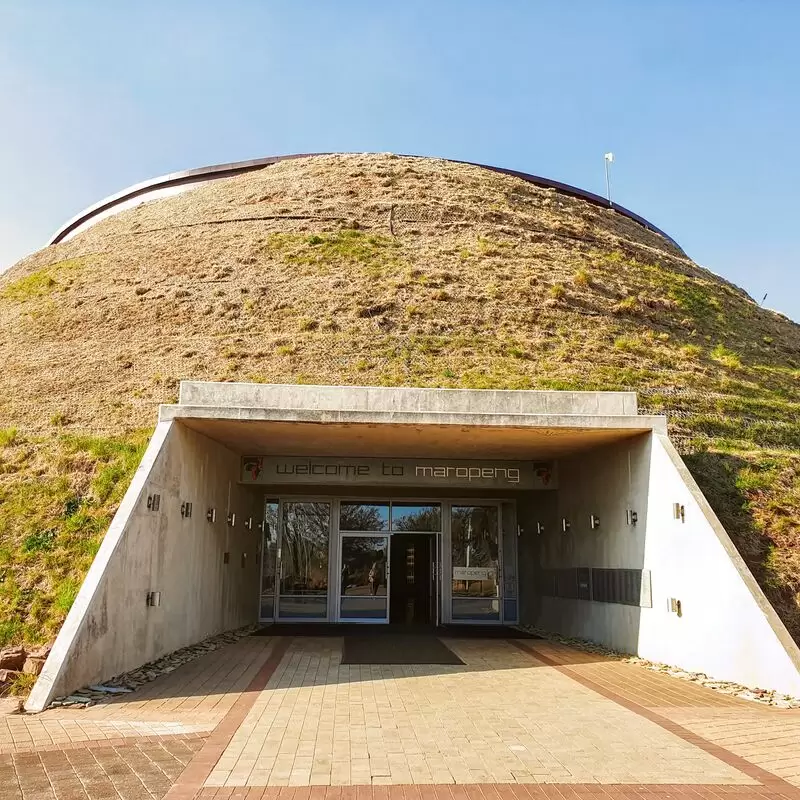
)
(473, 574)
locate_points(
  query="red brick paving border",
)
(502, 791)
(116, 741)
(194, 776)
(766, 778)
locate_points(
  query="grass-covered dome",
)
(373, 269)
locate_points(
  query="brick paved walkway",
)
(520, 721)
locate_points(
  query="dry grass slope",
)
(379, 270)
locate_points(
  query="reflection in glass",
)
(416, 517)
(475, 560)
(304, 558)
(269, 550)
(364, 517)
(364, 572)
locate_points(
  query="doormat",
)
(484, 632)
(398, 649)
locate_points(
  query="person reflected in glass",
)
(377, 573)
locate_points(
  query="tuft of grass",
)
(628, 344)
(22, 684)
(690, 350)
(8, 436)
(726, 357)
(11, 630)
(65, 594)
(557, 291)
(581, 277)
(39, 541)
(628, 305)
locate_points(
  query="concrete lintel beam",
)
(637, 423)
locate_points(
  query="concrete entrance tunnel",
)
(595, 528)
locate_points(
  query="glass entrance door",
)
(475, 563)
(303, 560)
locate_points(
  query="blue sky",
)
(698, 99)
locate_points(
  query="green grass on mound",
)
(57, 497)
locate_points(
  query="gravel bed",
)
(130, 681)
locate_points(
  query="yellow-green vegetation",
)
(57, 495)
(42, 282)
(386, 271)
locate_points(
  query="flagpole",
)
(608, 158)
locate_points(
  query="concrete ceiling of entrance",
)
(403, 441)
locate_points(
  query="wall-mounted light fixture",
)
(594, 521)
(232, 519)
(674, 606)
(631, 517)
(153, 502)
(539, 528)
(154, 598)
(248, 524)
(211, 515)
(262, 526)
(679, 512)
(244, 560)
(186, 510)
(565, 525)
(226, 558)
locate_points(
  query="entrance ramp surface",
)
(399, 649)
(359, 629)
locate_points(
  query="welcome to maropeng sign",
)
(278, 470)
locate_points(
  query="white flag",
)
(609, 156)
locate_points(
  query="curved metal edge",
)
(229, 170)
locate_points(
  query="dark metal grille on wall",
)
(625, 586)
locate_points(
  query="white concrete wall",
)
(110, 629)
(727, 628)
